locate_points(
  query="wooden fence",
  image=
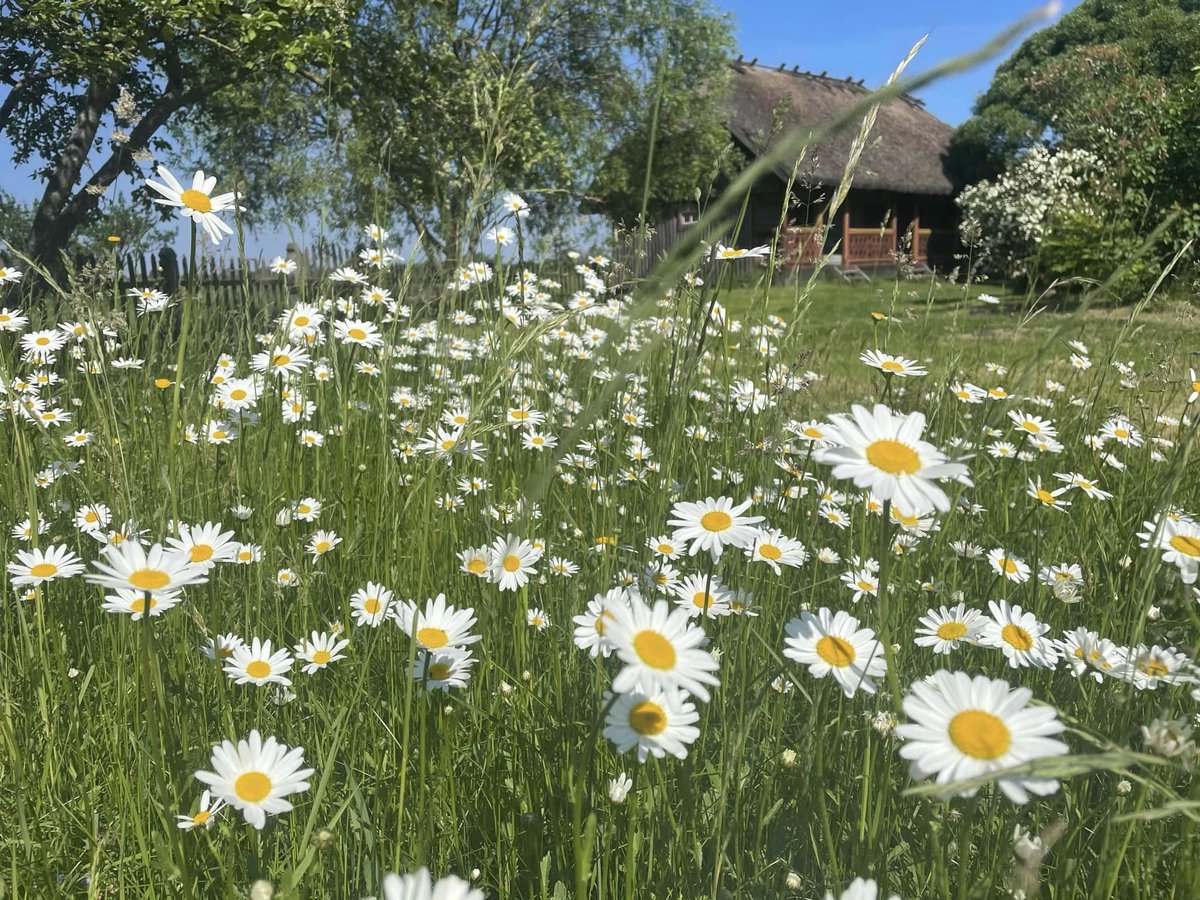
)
(168, 271)
(639, 255)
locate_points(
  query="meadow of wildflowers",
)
(539, 584)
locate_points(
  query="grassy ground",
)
(789, 788)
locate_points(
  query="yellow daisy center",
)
(893, 457)
(951, 631)
(836, 651)
(891, 366)
(238, 394)
(43, 570)
(1016, 636)
(1046, 497)
(439, 671)
(139, 605)
(980, 734)
(252, 787)
(1186, 544)
(202, 552)
(769, 551)
(196, 200)
(702, 599)
(716, 520)
(477, 566)
(149, 579)
(201, 817)
(281, 359)
(1155, 667)
(321, 657)
(654, 650)
(357, 334)
(512, 563)
(432, 638)
(648, 718)
(259, 668)
(372, 605)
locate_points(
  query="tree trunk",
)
(49, 234)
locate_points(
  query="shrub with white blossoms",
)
(1005, 220)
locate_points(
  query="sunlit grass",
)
(792, 788)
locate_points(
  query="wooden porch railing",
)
(803, 245)
(868, 246)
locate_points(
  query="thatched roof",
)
(904, 153)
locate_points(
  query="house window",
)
(687, 217)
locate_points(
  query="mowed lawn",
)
(932, 320)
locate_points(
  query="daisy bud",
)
(789, 759)
(1154, 614)
(883, 722)
(261, 890)
(619, 787)
(1028, 847)
(793, 882)
(322, 839)
(1124, 787)
(283, 518)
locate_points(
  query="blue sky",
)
(864, 39)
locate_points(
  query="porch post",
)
(916, 243)
(846, 237)
(895, 225)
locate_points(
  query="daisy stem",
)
(581, 837)
(885, 631)
(152, 684)
(632, 842)
(176, 425)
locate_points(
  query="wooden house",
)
(900, 195)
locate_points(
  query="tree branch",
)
(84, 201)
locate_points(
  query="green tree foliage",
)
(140, 229)
(433, 108)
(1115, 80)
(1027, 102)
(92, 83)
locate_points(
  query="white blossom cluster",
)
(1005, 220)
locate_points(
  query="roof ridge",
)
(742, 66)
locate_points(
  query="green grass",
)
(105, 720)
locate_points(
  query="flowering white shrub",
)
(1005, 220)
